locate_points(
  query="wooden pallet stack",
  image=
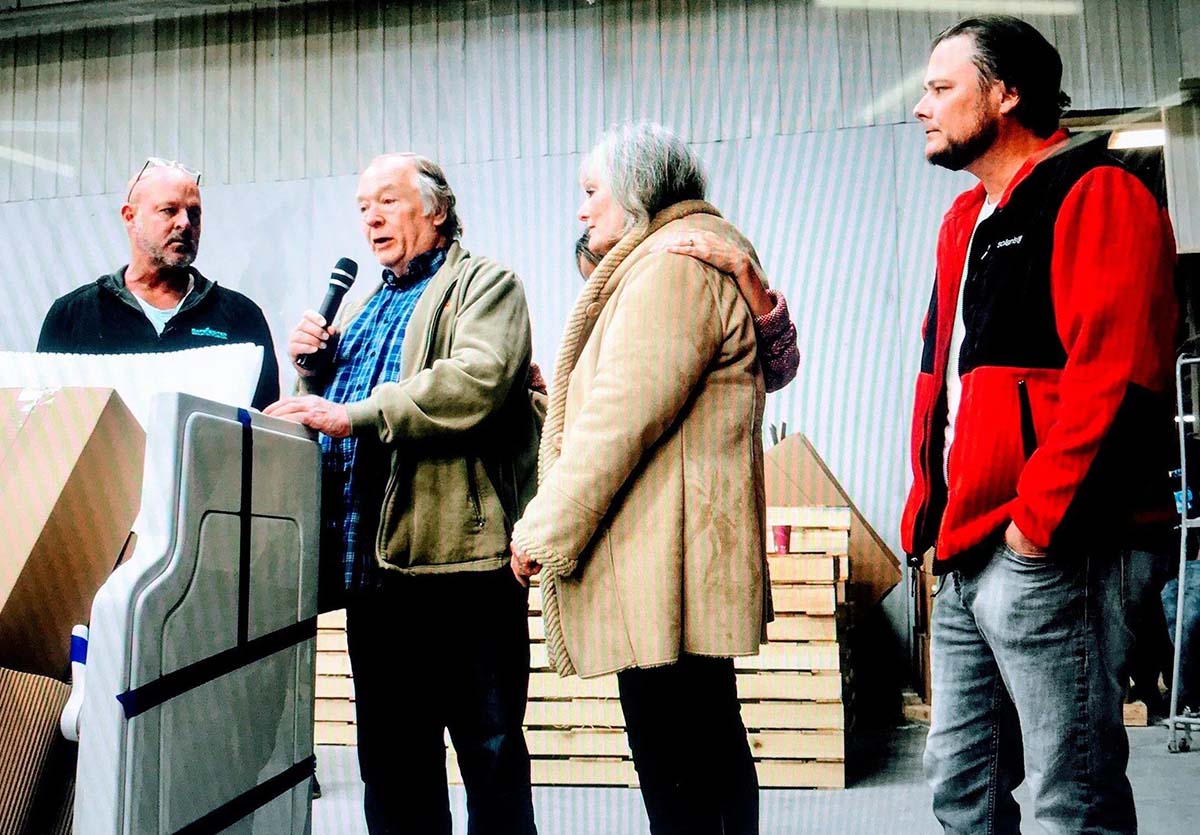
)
(794, 693)
(791, 693)
(335, 686)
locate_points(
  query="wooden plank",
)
(1073, 48)
(802, 628)
(780, 774)
(796, 687)
(887, 69)
(760, 715)
(334, 687)
(810, 600)
(331, 640)
(579, 713)
(332, 620)
(788, 569)
(854, 58)
(582, 772)
(335, 733)
(1103, 69)
(333, 664)
(811, 517)
(801, 657)
(335, 710)
(577, 742)
(551, 686)
(1136, 715)
(798, 745)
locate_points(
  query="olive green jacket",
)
(458, 426)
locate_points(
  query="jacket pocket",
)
(473, 497)
(1028, 431)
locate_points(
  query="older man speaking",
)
(430, 450)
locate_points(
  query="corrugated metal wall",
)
(801, 112)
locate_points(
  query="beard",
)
(163, 257)
(959, 153)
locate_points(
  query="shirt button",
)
(593, 310)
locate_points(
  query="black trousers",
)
(439, 652)
(690, 748)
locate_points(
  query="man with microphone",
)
(430, 452)
(159, 301)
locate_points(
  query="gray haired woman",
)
(647, 525)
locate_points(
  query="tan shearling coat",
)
(649, 516)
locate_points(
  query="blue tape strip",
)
(244, 514)
(78, 649)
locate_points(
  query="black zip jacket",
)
(104, 318)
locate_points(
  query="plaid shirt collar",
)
(419, 268)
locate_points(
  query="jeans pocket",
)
(1025, 559)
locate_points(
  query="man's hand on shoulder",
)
(317, 413)
(1020, 544)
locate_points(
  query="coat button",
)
(593, 310)
(558, 442)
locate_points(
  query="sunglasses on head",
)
(159, 162)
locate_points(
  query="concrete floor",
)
(890, 796)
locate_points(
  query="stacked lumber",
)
(335, 686)
(793, 693)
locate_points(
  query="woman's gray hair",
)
(648, 168)
(435, 191)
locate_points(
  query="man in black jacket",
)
(159, 302)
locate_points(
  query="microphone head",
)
(346, 270)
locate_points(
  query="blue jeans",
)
(1189, 673)
(1029, 671)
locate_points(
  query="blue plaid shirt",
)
(367, 355)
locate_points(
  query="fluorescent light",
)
(1137, 138)
(1049, 7)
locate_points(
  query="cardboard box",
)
(36, 763)
(70, 487)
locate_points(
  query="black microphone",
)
(340, 280)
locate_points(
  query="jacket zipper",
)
(473, 492)
(391, 482)
(1028, 432)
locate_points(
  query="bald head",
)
(162, 218)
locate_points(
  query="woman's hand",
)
(523, 566)
(727, 257)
